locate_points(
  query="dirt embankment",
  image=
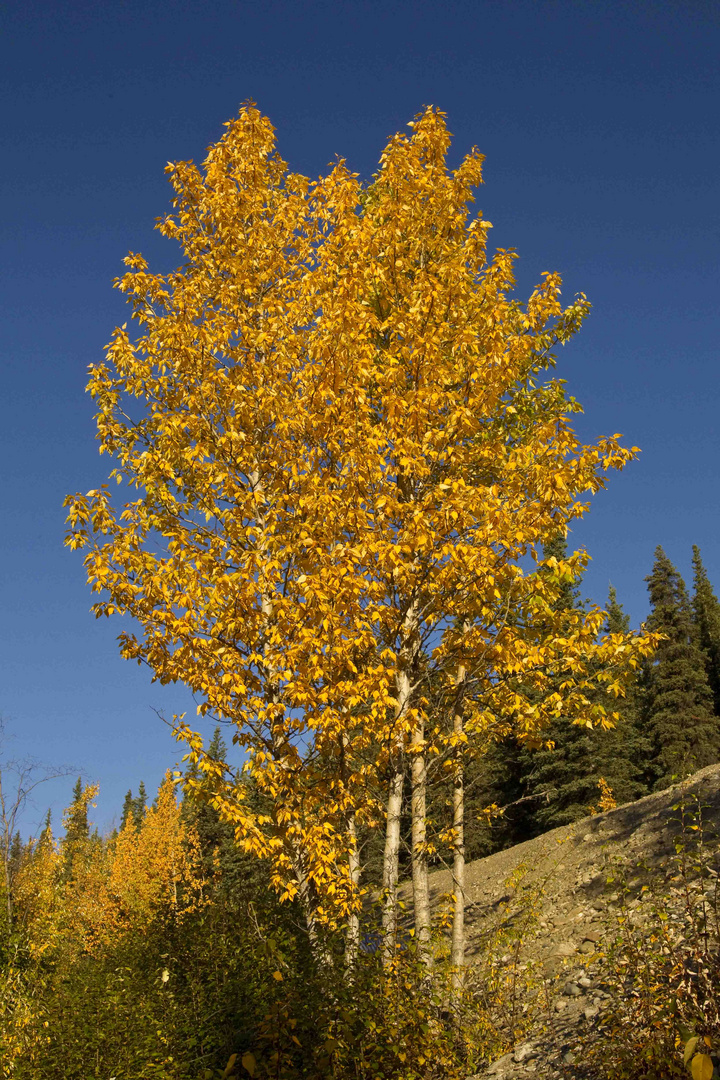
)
(562, 877)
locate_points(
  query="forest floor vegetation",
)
(617, 915)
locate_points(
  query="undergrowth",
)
(663, 963)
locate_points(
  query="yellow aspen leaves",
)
(109, 888)
(332, 414)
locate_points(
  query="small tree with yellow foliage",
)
(91, 914)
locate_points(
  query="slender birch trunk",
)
(421, 886)
(352, 933)
(458, 926)
(352, 930)
(391, 857)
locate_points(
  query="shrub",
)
(664, 964)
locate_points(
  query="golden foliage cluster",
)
(338, 449)
(81, 896)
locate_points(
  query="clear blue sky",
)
(600, 126)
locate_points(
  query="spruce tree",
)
(565, 779)
(76, 819)
(706, 616)
(213, 833)
(128, 810)
(623, 749)
(533, 787)
(139, 804)
(46, 834)
(617, 622)
(678, 719)
(497, 777)
(77, 829)
(541, 789)
(239, 872)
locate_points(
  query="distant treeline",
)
(668, 724)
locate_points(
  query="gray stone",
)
(571, 989)
(524, 1053)
(499, 1067)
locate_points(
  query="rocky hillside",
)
(551, 896)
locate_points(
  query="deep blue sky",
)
(600, 126)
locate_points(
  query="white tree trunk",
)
(391, 857)
(458, 926)
(407, 656)
(352, 933)
(421, 887)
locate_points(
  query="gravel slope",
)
(563, 875)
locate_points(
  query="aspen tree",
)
(336, 447)
(468, 464)
(230, 557)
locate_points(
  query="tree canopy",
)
(341, 452)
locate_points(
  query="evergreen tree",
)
(77, 829)
(678, 718)
(560, 777)
(497, 778)
(531, 787)
(139, 804)
(623, 749)
(706, 616)
(541, 789)
(76, 818)
(568, 775)
(128, 810)
(239, 872)
(617, 621)
(212, 832)
(46, 834)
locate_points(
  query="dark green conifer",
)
(128, 810)
(77, 829)
(16, 855)
(212, 832)
(46, 834)
(678, 719)
(617, 622)
(76, 819)
(622, 750)
(560, 778)
(139, 804)
(497, 777)
(706, 616)
(238, 870)
(568, 775)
